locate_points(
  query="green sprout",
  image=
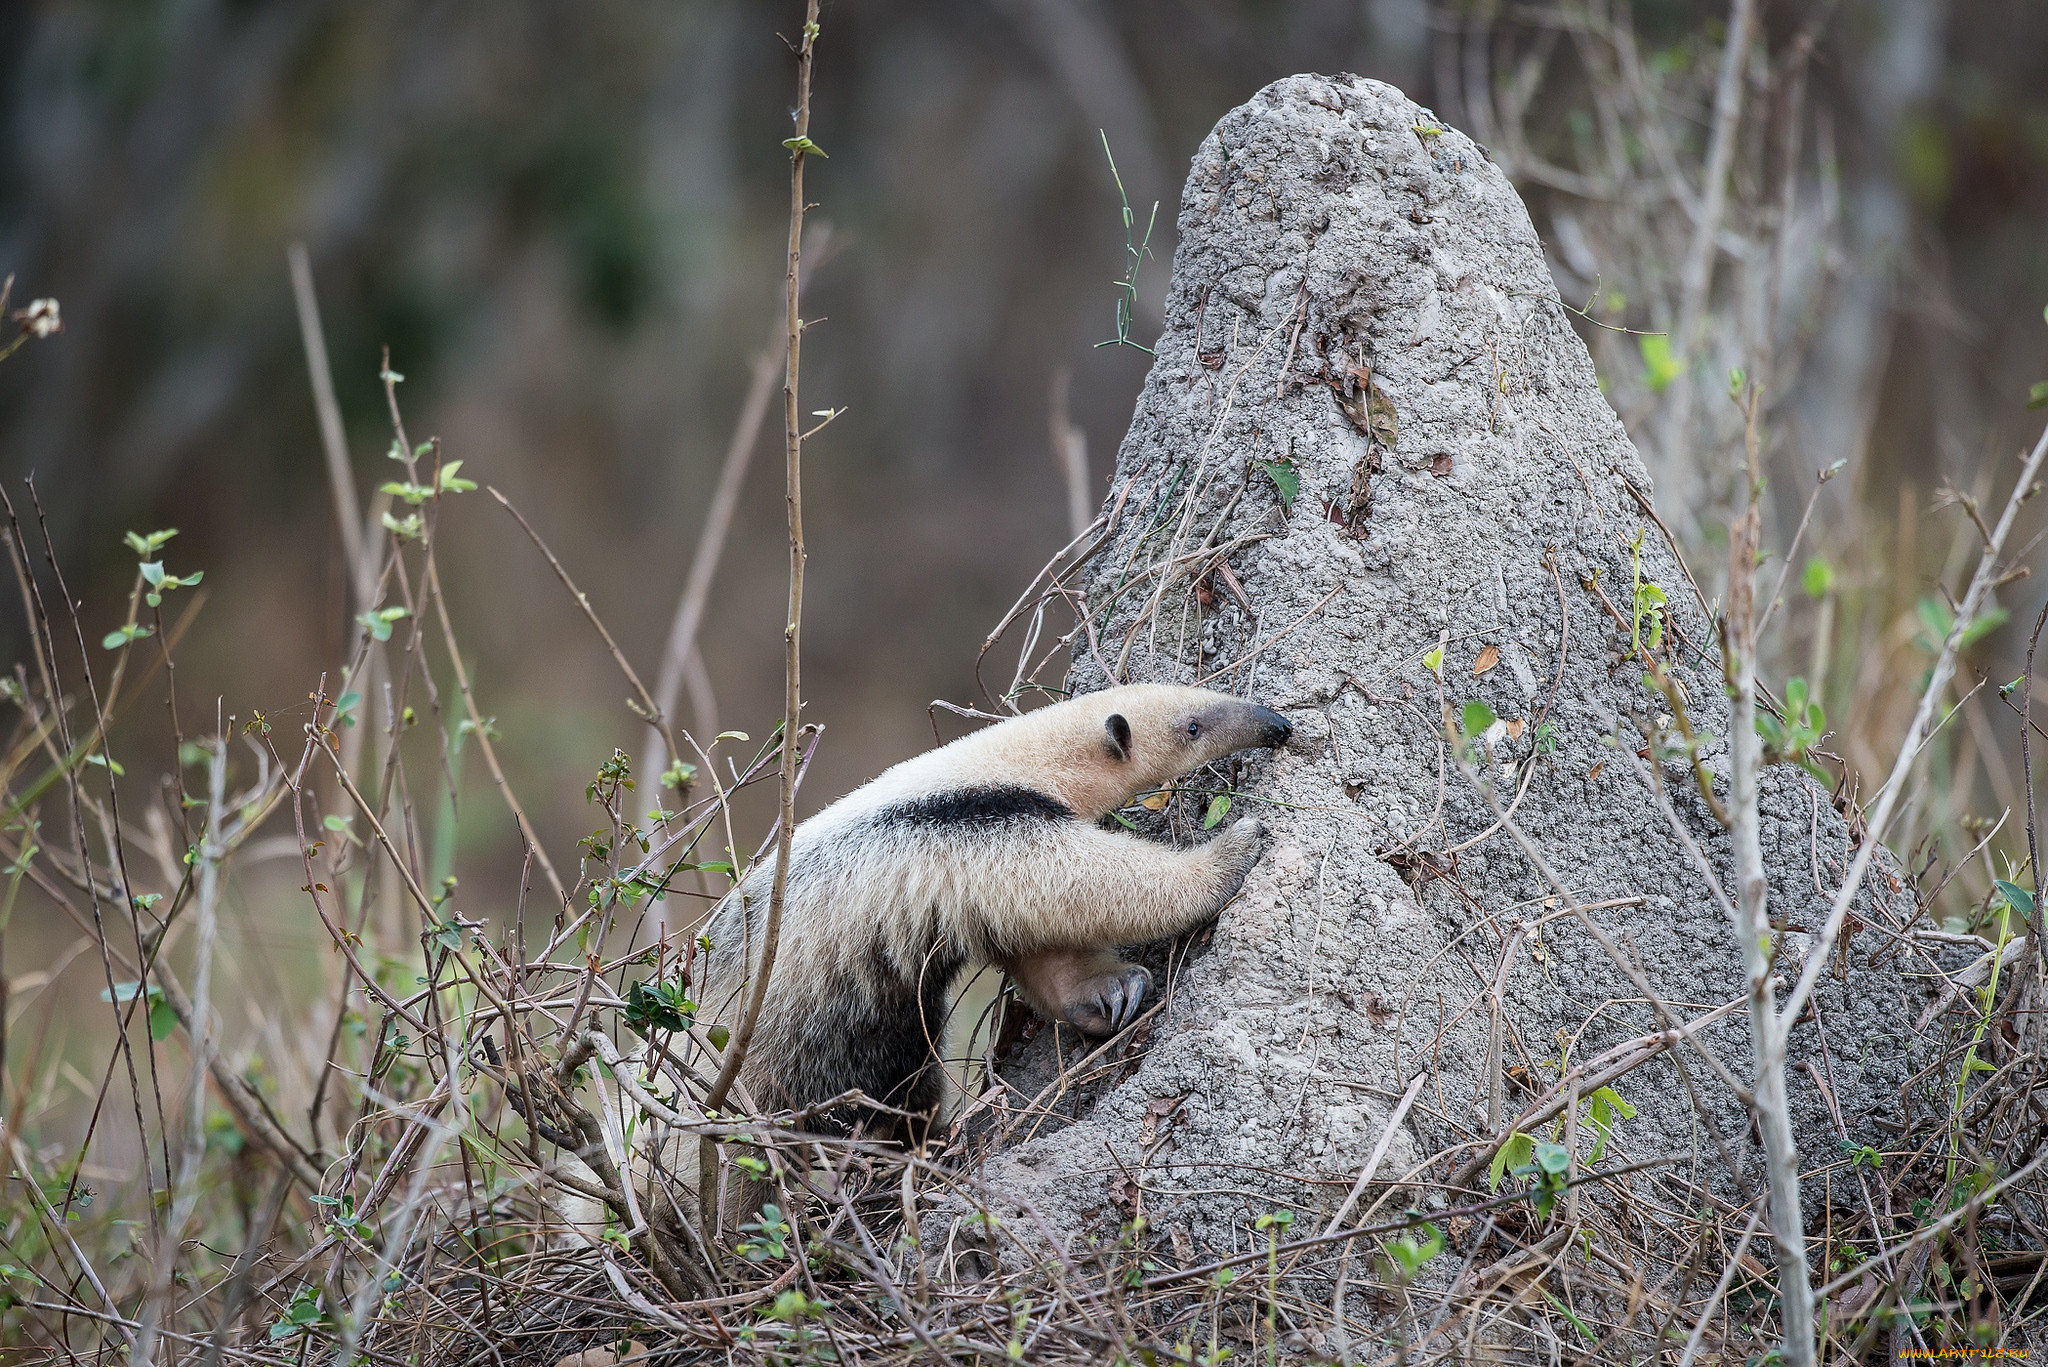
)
(1135, 251)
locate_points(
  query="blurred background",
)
(567, 224)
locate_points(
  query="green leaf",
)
(803, 147)
(1577, 1323)
(1219, 807)
(1608, 1105)
(162, 1020)
(1411, 1254)
(659, 1005)
(1513, 1154)
(719, 1036)
(378, 623)
(106, 763)
(2037, 395)
(153, 572)
(151, 543)
(1819, 577)
(1935, 619)
(1434, 661)
(2016, 897)
(1286, 480)
(1478, 716)
(731, 735)
(1982, 625)
(121, 992)
(128, 631)
(1553, 1158)
(1659, 365)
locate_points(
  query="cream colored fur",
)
(899, 925)
(879, 903)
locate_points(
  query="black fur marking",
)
(888, 1050)
(977, 808)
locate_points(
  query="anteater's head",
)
(1121, 742)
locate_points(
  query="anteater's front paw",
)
(1105, 1004)
(1237, 849)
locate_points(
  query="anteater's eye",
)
(1194, 729)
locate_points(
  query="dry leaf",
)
(1380, 418)
(1359, 506)
(1155, 802)
(1367, 406)
(1183, 1244)
(1488, 658)
(1440, 463)
(635, 1351)
(1594, 772)
(1230, 582)
(1516, 727)
(1157, 1112)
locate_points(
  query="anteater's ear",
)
(1116, 736)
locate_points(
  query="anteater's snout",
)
(1274, 729)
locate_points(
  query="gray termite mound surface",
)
(1329, 225)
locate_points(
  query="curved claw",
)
(1107, 1004)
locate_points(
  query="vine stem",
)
(792, 632)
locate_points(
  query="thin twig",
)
(1379, 1151)
(792, 699)
(340, 478)
(1772, 1106)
